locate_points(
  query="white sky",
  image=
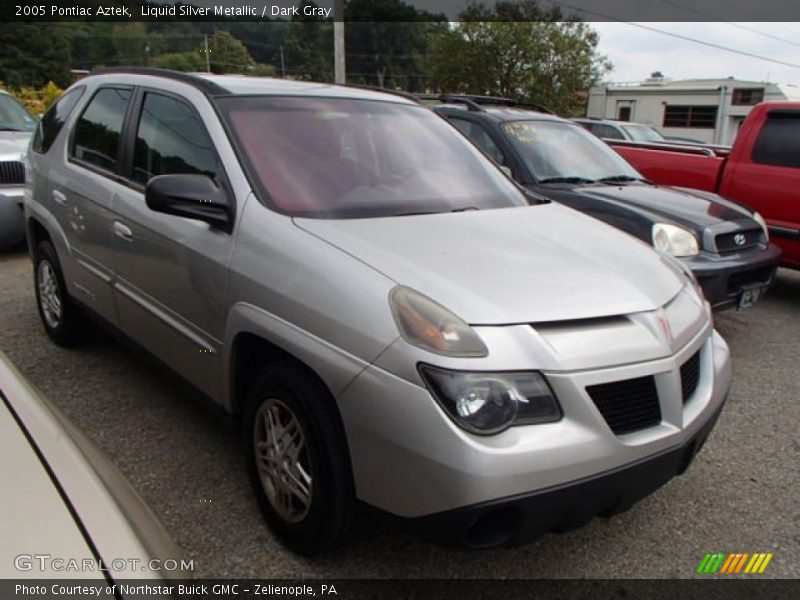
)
(636, 52)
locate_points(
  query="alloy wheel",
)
(283, 460)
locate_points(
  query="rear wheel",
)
(62, 320)
(298, 459)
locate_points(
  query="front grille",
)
(628, 405)
(690, 377)
(736, 241)
(761, 276)
(12, 173)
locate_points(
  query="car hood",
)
(13, 143)
(34, 515)
(689, 208)
(514, 265)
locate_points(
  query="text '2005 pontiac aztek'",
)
(391, 319)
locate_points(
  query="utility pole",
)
(338, 42)
(208, 60)
(283, 64)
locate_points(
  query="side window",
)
(170, 139)
(480, 138)
(53, 120)
(606, 131)
(98, 131)
(778, 142)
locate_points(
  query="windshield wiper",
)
(6, 128)
(434, 212)
(621, 179)
(566, 180)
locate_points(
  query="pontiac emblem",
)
(740, 239)
(665, 328)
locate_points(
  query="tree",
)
(308, 52)
(387, 43)
(520, 51)
(34, 53)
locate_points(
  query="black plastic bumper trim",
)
(519, 519)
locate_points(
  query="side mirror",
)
(507, 171)
(191, 196)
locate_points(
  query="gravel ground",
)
(183, 456)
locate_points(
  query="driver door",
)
(171, 287)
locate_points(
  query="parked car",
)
(67, 511)
(16, 126)
(724, 244)
(379, 304)
(761, 170)
(621, 130)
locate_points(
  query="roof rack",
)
(204, 85)
(475, 102)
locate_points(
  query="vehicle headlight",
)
(674, 240)
(487, 403)
(760, 220)
(429, 325)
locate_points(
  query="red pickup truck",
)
(761, 170)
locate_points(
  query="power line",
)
(678, 35)
(737, 25)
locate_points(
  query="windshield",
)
(343, 158)
(556, 150)
(643, 133)
(13, 117)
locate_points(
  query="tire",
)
(62, 320)
(304, 488)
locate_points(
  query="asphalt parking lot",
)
(741, 494)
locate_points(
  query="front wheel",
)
(298, 459)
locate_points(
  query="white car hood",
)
(13, 144)
(516, 265)
(34, 518)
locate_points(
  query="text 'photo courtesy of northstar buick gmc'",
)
(393, 320)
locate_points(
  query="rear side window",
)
(53, 120)
(607, 131)
(97, 133)
(171, 139)
(779, 141)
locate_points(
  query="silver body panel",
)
(546, 288)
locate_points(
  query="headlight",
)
(424, 323)
(487, 403)
(760, 220)
(674, 240)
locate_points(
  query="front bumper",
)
(520, 519)
(12, 223)
(724, 277)
(410, 460)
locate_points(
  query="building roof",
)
(685, 85)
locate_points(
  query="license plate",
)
(750, 296)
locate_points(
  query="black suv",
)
(559, 159)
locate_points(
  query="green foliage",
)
(35, 101)
(549, 61)
(33, 54)
(181, 61)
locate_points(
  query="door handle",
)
(123, 231)
(59, 198)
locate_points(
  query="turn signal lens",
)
(427, 324)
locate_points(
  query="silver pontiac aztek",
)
(380, 305)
